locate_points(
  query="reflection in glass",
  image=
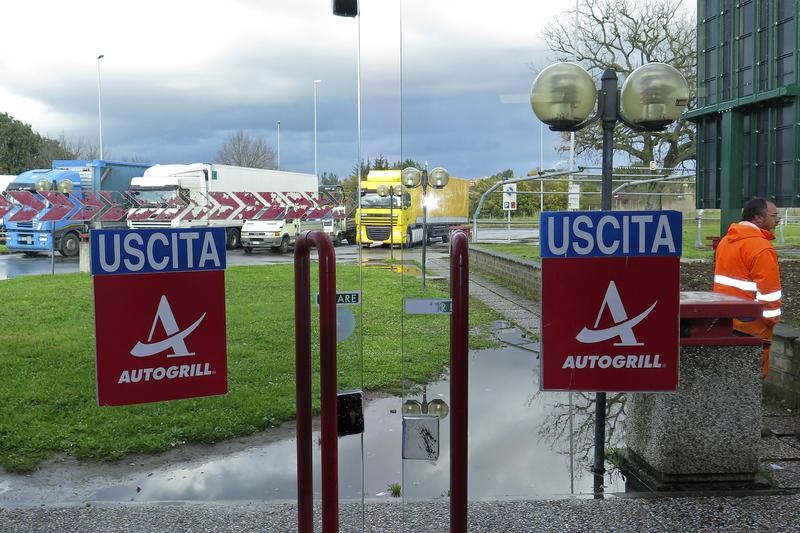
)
(373, 199)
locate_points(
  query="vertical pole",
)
(53, 248)
(541, 166)
(508, 229)
(316, 82)
(424, 220)
(302, 340)
(730, 170)
(698, 243)
(609, 101)
(99, 105)
(327, 328)
(459, 380)
(279, 145)
(391, 223)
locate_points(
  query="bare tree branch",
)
(623, 35)
(242, 150)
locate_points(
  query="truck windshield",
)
(373, 199)
(155, 196)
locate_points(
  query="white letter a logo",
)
(623, 328)
(175, 337)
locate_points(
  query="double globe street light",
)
(652, 97)
(412, 178)
(437, 406)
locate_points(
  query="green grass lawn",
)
(47, 394)
(709, 228)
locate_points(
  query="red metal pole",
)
(459, 348)
(327, 318)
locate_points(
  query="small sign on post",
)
(510, 197)
(346, 298)
(428, 306)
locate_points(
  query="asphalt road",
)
(17, 264)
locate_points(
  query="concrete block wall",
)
(783, 380)
(525, 278)
(520, 275)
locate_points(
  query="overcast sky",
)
(179, 76)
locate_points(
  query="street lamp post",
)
(100, 105)
(316, 82)
(652, 97)
(412, 178)
(279, 145)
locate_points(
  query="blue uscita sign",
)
(143, 251)
(575, 234)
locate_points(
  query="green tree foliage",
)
(493, 205)
(381, 163)
(530, 195)
(23, 149)
(328, 178)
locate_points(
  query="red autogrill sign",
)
(159, 314)
(610, 300)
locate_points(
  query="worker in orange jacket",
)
(747, 266)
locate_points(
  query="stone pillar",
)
(706, 435)
(84, 255)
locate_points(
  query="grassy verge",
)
(47, 394)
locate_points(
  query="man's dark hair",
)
(753, 208)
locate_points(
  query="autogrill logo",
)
(615, 361)
(622, 329)
(175, 342)
(158, 373)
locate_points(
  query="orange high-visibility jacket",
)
(746, 265)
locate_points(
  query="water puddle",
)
(517, 448)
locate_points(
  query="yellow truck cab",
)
(393, 214)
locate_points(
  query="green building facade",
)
(747, 110)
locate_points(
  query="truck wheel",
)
(69, 245)
(409, 239)
(248, 249)
(337, 241)
(446, 237)
(233, 239)
(284, 245)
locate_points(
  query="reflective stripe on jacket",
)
(746, 265)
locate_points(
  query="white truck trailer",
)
(205, 194)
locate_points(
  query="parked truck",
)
(291, 214)
(78, 178)
(205, 194)
(397, 218)
(5, 179)
(340, 223)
